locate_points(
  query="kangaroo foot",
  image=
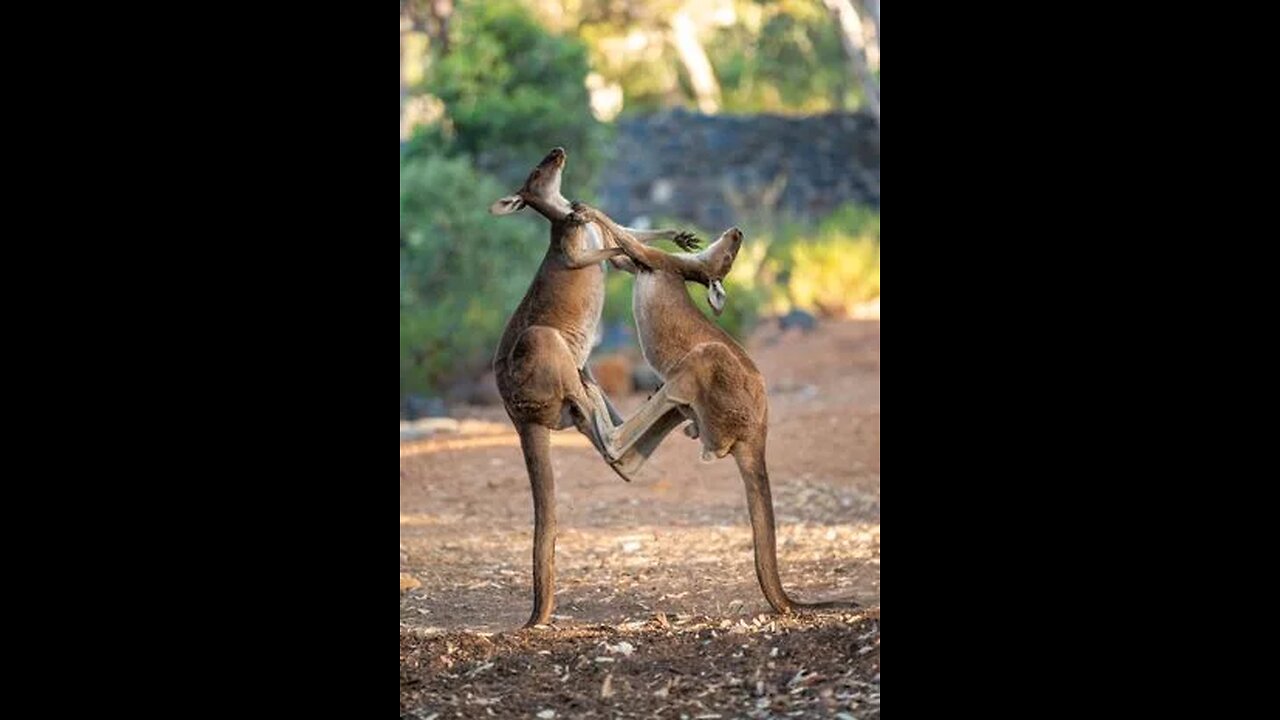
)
(685, 240)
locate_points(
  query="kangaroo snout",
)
(557, 156)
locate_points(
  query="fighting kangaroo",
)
(541, 360)
(709, 379)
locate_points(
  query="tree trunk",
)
(701, 76)
(404, 89)
(871, 32)
(873, 9)
(850, 24)
(441, 13)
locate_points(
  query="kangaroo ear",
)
(716, 296)
(506, 205)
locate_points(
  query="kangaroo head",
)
(543, 185)
(717, 261)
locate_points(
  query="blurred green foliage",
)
(511, 91)
(827, 269)
(794, 63)
(777, 56)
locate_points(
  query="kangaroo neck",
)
(554, 207)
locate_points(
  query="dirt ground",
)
(658, 610)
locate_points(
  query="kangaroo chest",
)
(571, 301)
(592, 237)
(582, 322)
(667, 322)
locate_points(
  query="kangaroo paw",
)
(685, 241)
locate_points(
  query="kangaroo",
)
(541, 360)
(708, 378)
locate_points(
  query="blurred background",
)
(700, 114)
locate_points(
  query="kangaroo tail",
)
(755, 476)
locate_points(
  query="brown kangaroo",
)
(541, 360)
(709, 379)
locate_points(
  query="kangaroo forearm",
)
(590, 257)
(645, 256)
(623, 263)
(649, 237)
(625, 240)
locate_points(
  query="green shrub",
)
(829, 269)
(511, 91)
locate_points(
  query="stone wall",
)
(713, 169)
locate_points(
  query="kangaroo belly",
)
(569, 301)
(537, 377)
(578, 319)
(667, 322)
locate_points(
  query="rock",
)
(414, 407)
(613, 337)
(613, 373)
(798, 319)
(485, 391)
(427, 427)
(475, 392)
(705, 169)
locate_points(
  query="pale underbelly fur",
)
(590, 331)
